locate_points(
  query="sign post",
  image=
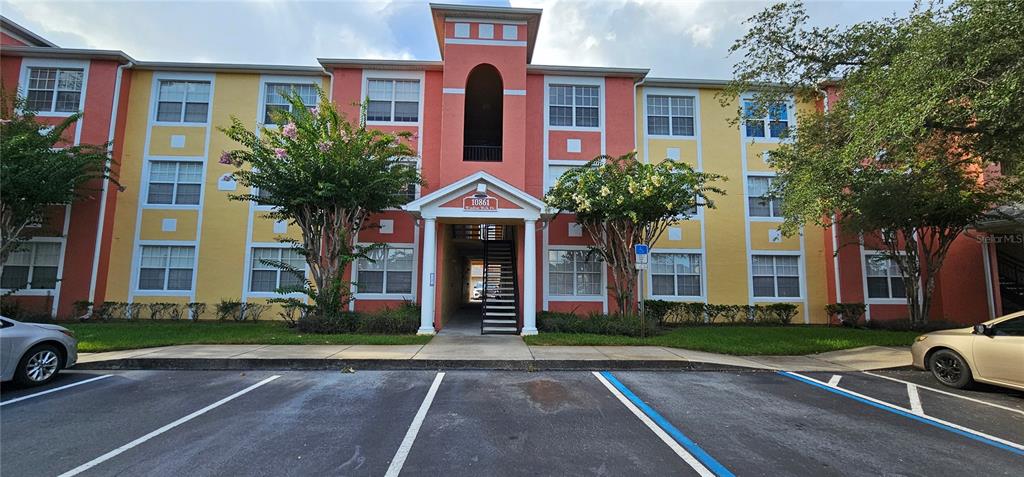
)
(643, 255)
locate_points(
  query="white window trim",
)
(747, 196)
(695, 94)
(83, 65)
(802, 276)
(411, 296)
(394, 75)
(154, 100)
(550, 81)
(703, 277)
(572, 298)
(865, 253)
(60, 271)
(144, 189)
(247, 279)
(270, 79)
(137, 268)
(791, 121)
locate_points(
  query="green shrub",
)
(404, 319)
(596, 323)
(775, 313)
(847, 314)
(196, 310)
(229, 310)
(657, 309)
(343, 323)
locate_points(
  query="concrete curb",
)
(312, 364)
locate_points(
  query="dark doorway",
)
(482, 134)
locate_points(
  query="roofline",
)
(417, 65)
(229, 68)
(686, 82)
(66, 53)
(636, 73)
(531, 16)
(25, 32)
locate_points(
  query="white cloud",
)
(673, 38)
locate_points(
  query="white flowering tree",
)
(620, 201)
(327, 175)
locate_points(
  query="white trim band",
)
(464, 41)
(515, 92)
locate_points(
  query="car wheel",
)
(950, 369)
(39, 365)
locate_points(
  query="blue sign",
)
(641, 249)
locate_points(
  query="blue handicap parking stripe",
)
(692, 447)
(897, 411)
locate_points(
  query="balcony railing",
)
(481, 153)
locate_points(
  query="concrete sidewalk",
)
(481, 352)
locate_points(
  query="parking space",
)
(500, 423)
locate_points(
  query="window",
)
(166, 267)
(759, 199)
(393, 100)
(388, 270)
(573, 105)
(574, 273)
(183, 101)
(172, 182)
(884, 278)
(509, 32)
(776, 276)
(267, 277)
(1014, 327)
(408, 193)
(273, 99)
(486, 30)
(675, 274)
(670, 115)
(776, 122)
(32, 266)
(54, 90)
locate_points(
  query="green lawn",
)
(95, 337)
(744, 340)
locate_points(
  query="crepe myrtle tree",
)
(39, 168)
(909, 152)
(620, 201)
(327, 175)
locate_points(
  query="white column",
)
(530, 278)
(427, 280)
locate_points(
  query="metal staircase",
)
(500, 297)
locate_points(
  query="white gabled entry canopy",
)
(498, 200)
(513, 203)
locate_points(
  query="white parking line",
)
(60, 388)
(962, 430)
(410, 436)
(915, 399)
(687, 457)
(947, 393)
(114, 453)
(834, 380)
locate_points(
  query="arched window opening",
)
(482, 133)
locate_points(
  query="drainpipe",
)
(106, 183)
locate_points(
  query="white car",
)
(33, 353)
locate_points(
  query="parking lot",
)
(507, 423)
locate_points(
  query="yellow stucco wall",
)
(728, 238)
(152, 224)
(223, 245)
(193, 141)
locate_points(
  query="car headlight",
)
(921, 338)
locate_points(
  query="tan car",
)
(992, 353)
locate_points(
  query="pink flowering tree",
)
(325, 174)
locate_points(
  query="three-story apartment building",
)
(492, 131)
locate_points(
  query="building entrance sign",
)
(479, 203)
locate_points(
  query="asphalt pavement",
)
(455, 423)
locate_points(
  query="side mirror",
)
(981, 330)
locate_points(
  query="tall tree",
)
(620, 202)
(924, 113)
(327, 175)
(39, 169)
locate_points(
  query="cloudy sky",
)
(682, 38)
